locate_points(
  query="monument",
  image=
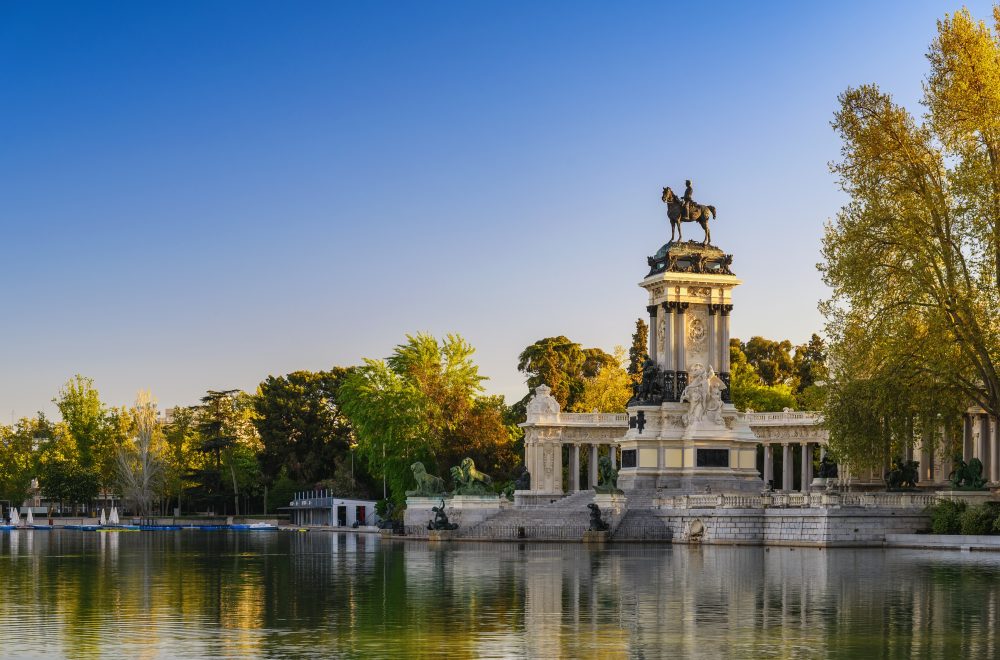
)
(684, 433)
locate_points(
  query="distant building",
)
(319, 507)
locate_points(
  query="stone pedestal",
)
(684, 434)
(418, 510)
(596, 537)
(818, 484)
(611, 504)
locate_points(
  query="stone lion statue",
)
(469, 480)
(427, 484)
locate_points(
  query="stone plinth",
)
(418, 510)
(818, 484)
(468, 510)
(596, 537)
(611, 504)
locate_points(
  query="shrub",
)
(946, 517)
(979, 519)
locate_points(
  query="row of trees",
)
(355, 431)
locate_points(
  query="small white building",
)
(320, 507)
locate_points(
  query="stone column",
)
(995, 451)
(652, 332)
(593, 467)
(668, 336)
(787, 480)
(984, 444)
(804, 468)
(681, 334)
(822, 452)
(574, 468)
(724, 339)
(967, 449)
(613, 455)
(713, 343)
(947, 462)
(768, 463)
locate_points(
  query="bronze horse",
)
(675, 211)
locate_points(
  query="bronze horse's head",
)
(668, 195)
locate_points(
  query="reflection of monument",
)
(683, 431)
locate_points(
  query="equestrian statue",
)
(685, 209)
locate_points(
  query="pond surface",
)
(196, 594)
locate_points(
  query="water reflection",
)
(205, 594)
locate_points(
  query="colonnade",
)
(575, 449)
(981, 439)
(806, 452)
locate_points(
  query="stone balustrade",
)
(797, 500)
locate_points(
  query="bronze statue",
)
(967, 476)
(441, 521)
(607, 477)
(685, 209)
(469, 480)
(597, 523)
(903, 475)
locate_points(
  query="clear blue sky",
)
(195, 195)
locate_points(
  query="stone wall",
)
(850, 526)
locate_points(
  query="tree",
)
(607, 391)
(182, 443)
(17, 460)
(423, 403)
(562, 365)
(83, 413)
(61, 477)
(772, 360)
(913, 259)
(748, 390)
(226, 426)
(301, 426)
(637, 354)
(141, 463)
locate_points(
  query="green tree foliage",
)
(748, 389)
(225, 422)
(182, 443)
(17, 460)
(424, 403)
(637, 352)
(914, 258)
(83, 413)
(771, 360)
(301, 426)
(563, 365)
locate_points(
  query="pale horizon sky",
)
(197, 195)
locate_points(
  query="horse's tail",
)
(712, 209)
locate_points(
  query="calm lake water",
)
(287, 595)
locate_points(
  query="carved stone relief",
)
(548, 459)
(702, 291)
(661, 331)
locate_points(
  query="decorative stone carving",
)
(702, 291)
(696, 332)
(661, 332)
(543, 403)
(469, 480)
(704, 396)
(548, 459)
